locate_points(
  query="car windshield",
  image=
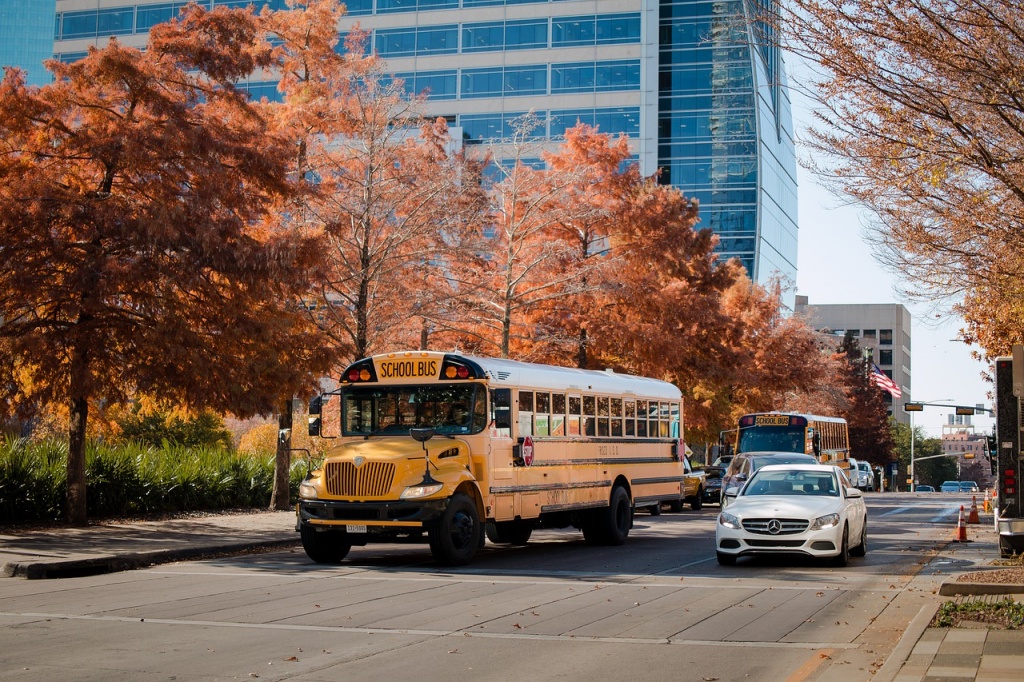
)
(792, 482)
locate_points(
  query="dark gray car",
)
(746, 463)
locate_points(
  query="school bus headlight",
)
(307, 490)
(414, 492)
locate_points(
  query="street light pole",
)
(913, 480)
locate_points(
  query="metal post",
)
(912, 479)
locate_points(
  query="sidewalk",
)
(971, 652)
(105, 547)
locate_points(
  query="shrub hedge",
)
(133, 479)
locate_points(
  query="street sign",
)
(913, 407)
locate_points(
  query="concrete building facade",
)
(883, 332)
(698, 85)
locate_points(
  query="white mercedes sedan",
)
(808, 509)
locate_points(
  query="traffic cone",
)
(961, 528)
(987, 504)
(973, 516)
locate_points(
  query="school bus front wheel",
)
(455, 539)
(324, 546)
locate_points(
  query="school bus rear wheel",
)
(324, 546)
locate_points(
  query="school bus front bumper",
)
(393, 513)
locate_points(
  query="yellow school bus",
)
(445, 448)
(827, 438)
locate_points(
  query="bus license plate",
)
(352, 528)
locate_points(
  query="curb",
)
(955, 589)
(77, 568)
(892, 666)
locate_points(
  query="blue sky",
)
(835, 265)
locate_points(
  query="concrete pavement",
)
(105, 547)
(923, 654)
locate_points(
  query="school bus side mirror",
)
(315, 408)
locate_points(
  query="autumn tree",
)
(663, 316)
(132, 254)
(868, 416)
(920, 121)
(384, 184)
(600, 177)
(522, 258)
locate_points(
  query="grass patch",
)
(1015, 560)
(1004, 614)
(133, 479)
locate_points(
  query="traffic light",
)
(913, 407)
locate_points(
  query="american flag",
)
(879, 379)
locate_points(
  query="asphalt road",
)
(659, 607)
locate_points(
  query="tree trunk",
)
(279, 498)
(581, 349)
(77, 512)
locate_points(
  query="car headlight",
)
(416, 491)
(307, 490)
(826, 521)
(729, 521)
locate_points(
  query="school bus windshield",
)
(771, 438)
(393, 410)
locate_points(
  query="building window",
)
(885, 336)
(885, 356)
(869, 333)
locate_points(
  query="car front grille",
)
(372, 479)
(775, 543)
(786, 526)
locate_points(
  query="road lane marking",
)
(825, 582)
(897, 510)
(429, 633)
(810, 666)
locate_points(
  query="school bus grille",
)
(372, 479)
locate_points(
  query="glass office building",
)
(26, 37)
(698, 86)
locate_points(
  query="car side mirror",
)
(732, 491)
(852, 493)
(741, 477)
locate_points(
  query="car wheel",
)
(324, 546)
(455, 540)
(725, 559)
(675, 506)
(843, 557)
(698, 500)
(655, 509)
(862, 547)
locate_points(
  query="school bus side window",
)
(589, 410)
(501, 409)
(525, 413)
(641, 418)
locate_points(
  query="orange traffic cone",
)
(961, 528)
(987, 504)
(973, 516)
